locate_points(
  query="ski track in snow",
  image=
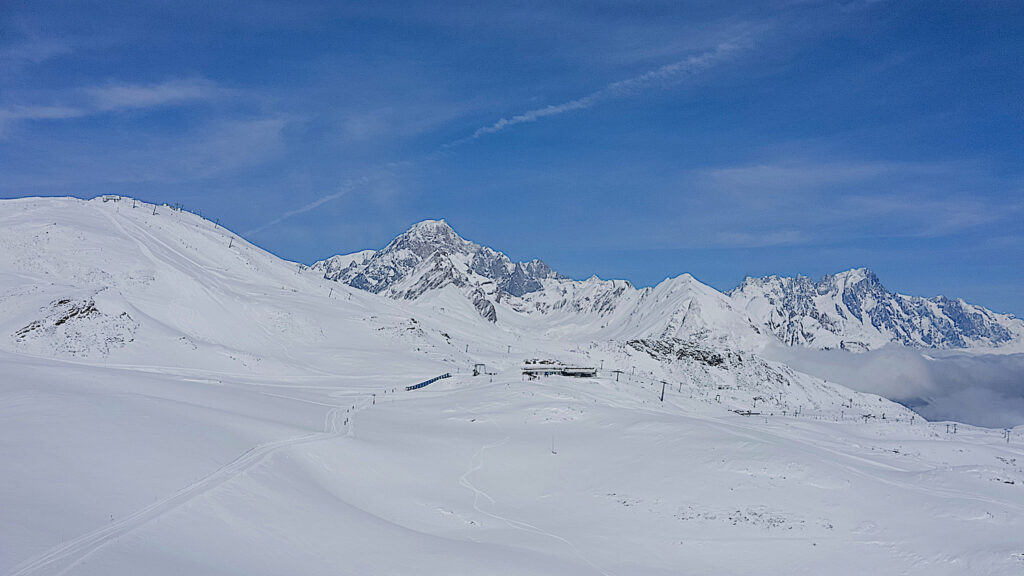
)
(817, 450)
(149, 254)
(75, 551)
(475, 465)
(237, 283)
(187, 374)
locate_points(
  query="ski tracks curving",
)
(62, 558)
(475, 465)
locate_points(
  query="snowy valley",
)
(177, 400)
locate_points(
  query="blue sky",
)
(634, 140)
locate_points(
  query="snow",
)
(254, 421)
(342, 261)
(853, 311)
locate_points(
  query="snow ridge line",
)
(78, 549)
(476, 464)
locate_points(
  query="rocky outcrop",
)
(852, 310)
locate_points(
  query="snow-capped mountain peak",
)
(852, 310)
(430, 255)
(429, 236)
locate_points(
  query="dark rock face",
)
(526, 278)
(804, 312)
(972, 320)
(677, 349)
(431, 255)
(78, 328)
(851, 310)
(484, 306)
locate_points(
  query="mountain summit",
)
(431, 255)
(852, 310)
(849, 310)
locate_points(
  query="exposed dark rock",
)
(436, 256)
(803, 312)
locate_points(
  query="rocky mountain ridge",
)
(430, 256)
(849, 310)
(852, 310)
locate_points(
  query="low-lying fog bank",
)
(980, 389)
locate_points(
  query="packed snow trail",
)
(73, 552)
(822, 453)
(172, 252)
(476, 464)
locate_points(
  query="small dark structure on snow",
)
(535, 368)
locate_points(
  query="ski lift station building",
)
(535, 368)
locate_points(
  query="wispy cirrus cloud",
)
(127, 96)
(115, 97)
(774, 238)
(794, 202)
(32, 51)
(39, 113)
(205, 154)
(21, 113)
(662, 77)
(343, 190)
(346, 188)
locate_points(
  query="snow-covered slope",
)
(152, 285)
(852, 310)
(161, 473)
(175, 400)
(430, 255)
(679, 307)
(134, 284)
(335, 265)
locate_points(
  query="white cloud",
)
(228, 146)
(374, 179)
(343, 190)
(803, 201)
(13, 114)
(738, 239)
(795, 175)
(124, 96)
(32, 51)
(667, 75)
(207, 152)
(664, 76)
(115, 97)
(40, 112)
(980, 389)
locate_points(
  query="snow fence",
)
(427, 382)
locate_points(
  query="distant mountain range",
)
(850, 310)
(113, 279)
